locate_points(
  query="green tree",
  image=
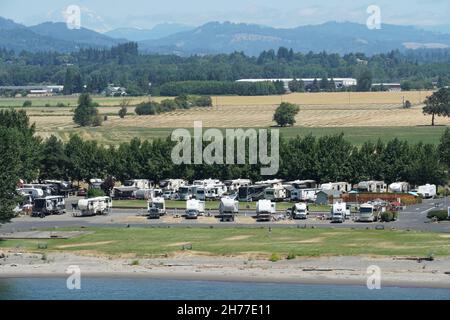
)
(444, 149)
(54, 160)
(27, 104)
(285, 114)
(364, 81)
(438, 104)
(124, 108)
(86, 114)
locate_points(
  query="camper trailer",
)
(234, 185)
(369, 212)
(264, 210)
(339, 212)
(306, 195)
(156, 208)
(48, 189)
(252, 193)
(94, 206)
(172, 184)
(144, 194)
(399, 187)
(194, 208)
(169, 195)
(138, 183)
(299, 211)
(124, 193)
(276, 193)
(215, 191)
(427, 191)
(372, 186)
(34, 193)
(343, 187)
(95, 183)
(48, 206)
(228, 208)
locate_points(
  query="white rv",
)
(300, 211)
(228, 208)
(186, 192)
(307, 195)
(95, 206)
(265, 209)
(138, 183)
(427, 191)
(194, 208)
(344, 187)
(276, 193)
(234, 185)
(172, 184)
(34, 193)
(340, 212)
(215, 191)
(372, 186)
(156, 208)
(369, 212)
(399, 187)
(48, 206)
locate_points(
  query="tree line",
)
(91, 70)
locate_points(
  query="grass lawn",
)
(143, 242)
(210, 205)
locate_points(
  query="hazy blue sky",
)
(108, 14)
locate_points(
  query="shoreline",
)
(339, 271)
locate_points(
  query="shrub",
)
(94, 193)
(291, 256)
(274, 257)
(60, 105)
(285, 114)
(135, 262)
(388, 216)
(440, 215)
(147, 108)
(27, 104)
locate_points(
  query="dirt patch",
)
(86, 244)
(312, 240)
(178, 244)
(237, 238)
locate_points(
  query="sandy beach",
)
(395, 271)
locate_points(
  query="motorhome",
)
(34, 193)
(234, 185)
(169, 195)
(265, 209)
(62, 188)
(186, 192)
(369, 212)
(299, 211)
(138, 183)
(215, 191)
(144, 194)
(276, 193)
(194, 208)
(48, 189)
(372, 186)
(228, 208)
(124, 193)
(156, 208)
(427, 191)
(399, 187)
(252, 193)
(306, 195)
(48, 206)
(340, 212)
(303, 184)
(200, 193)
(94, 206)
(172, 184)
(344, 187)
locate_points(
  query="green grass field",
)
(210, 205)
(144, 242)
(356, 135)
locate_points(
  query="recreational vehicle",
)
(340, 212)
(264, 210)
(372, 186)
(124, 193)
(194, 208)
(252, 193)
(399, 187)
(427, 191)
(343, 187)
(186, 192)
(172, 184)
(228, 208)
(62, 188)
(95, 206)
(48, 189)
(307, 195)
(277, 193)
(303, 184)
(138, 183)
(169, 195)
(300, 211)
(215, 191)
(156, 208)
(369, 212)
(34, 193)
(144, 194)
(48, 206)
(234, 185)
(95, 183)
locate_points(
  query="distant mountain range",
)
(157, 32)
(215, 37)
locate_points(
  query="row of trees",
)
(92, 70)
(167, 105)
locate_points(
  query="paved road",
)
(413, 218)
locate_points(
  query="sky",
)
(104, 15)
